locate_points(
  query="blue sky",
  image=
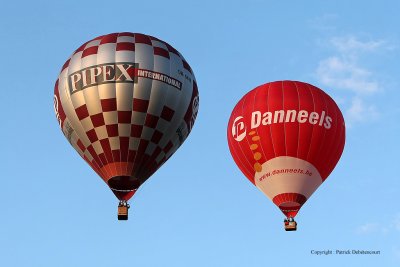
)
(198, 209)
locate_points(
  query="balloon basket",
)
(122, 213)
(291, 226)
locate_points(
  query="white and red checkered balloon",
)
(286, 137)
(126, 102)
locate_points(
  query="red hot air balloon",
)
(126, 102)
(286, 137)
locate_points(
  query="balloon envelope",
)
(126, 102)
(286, 137)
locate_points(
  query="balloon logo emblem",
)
(238, 129)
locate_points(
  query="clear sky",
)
(198, 209)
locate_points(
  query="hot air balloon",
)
(286, 137)
(126, 102)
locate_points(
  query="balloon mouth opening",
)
(123, 183)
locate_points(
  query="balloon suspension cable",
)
(123, 207)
